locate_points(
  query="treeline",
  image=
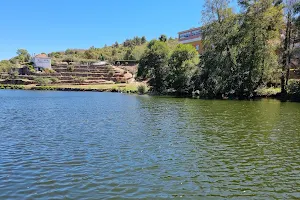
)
(242, 52)
(22, 57)
(130, 49)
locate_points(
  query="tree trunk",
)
(285, 59)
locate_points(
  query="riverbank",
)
(122, 87)
(263, 93)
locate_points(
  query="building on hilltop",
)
(191, 36)
(41, 61)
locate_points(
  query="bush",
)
(70, 68)
(54, 80)
(293, 90)
(110, 73)
(79, 79)
(42, 81)
(142, 89)
(264, 91)
(31, 68)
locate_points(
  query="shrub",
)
(79, 79)
(42, 81)
(54, 80)
(70, 68)
(142, 89)
(293, 90)
(48, 71)
(264, 91)
(31, 68)
(111, 73)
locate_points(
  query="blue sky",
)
(55, 25)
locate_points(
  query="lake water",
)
(85, 145)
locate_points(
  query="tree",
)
(91, 54)
(5, 66)
(129, 54)
(292, 8)
(239, 49)
(143, 40)
(116, 45)
(154, 65)
(183, 65)
(259, 39)
(163, 38)
(218, 62)
(23, 55)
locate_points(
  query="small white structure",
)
(102, 63)
(41, 61)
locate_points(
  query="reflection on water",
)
(101, 145)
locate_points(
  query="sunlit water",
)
(84, 145)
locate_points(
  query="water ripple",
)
(71, 145)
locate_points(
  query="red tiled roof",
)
(41, 56)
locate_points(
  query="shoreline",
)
(123, 88)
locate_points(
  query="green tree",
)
(163, 38)
(129, 54)
(23, 55)
(291, 34)
(239, 49)
(143, 40)
(5, 65)
(154, 65)
(183, 65)
(116, 45)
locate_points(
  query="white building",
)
(41, 61)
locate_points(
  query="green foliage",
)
(110, 73)
(79, 80)
(239, 49)
(143, 40)
(183, 65)
(42, 81)
(54, 80)
(14, 87)
(264, 91)
(142, 88)
(13, 74)
(293, 90)
(5, 66)
(130, 49)
(163, 38)
(23, 55)
(31, 68)
(70, 68)
(154, 65)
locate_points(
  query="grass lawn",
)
(122, 86)
(119, 86)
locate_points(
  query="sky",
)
(56, 25)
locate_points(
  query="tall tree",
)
(291, 34)
(154, 65)
(183, 64)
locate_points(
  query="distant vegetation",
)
(130, 49)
